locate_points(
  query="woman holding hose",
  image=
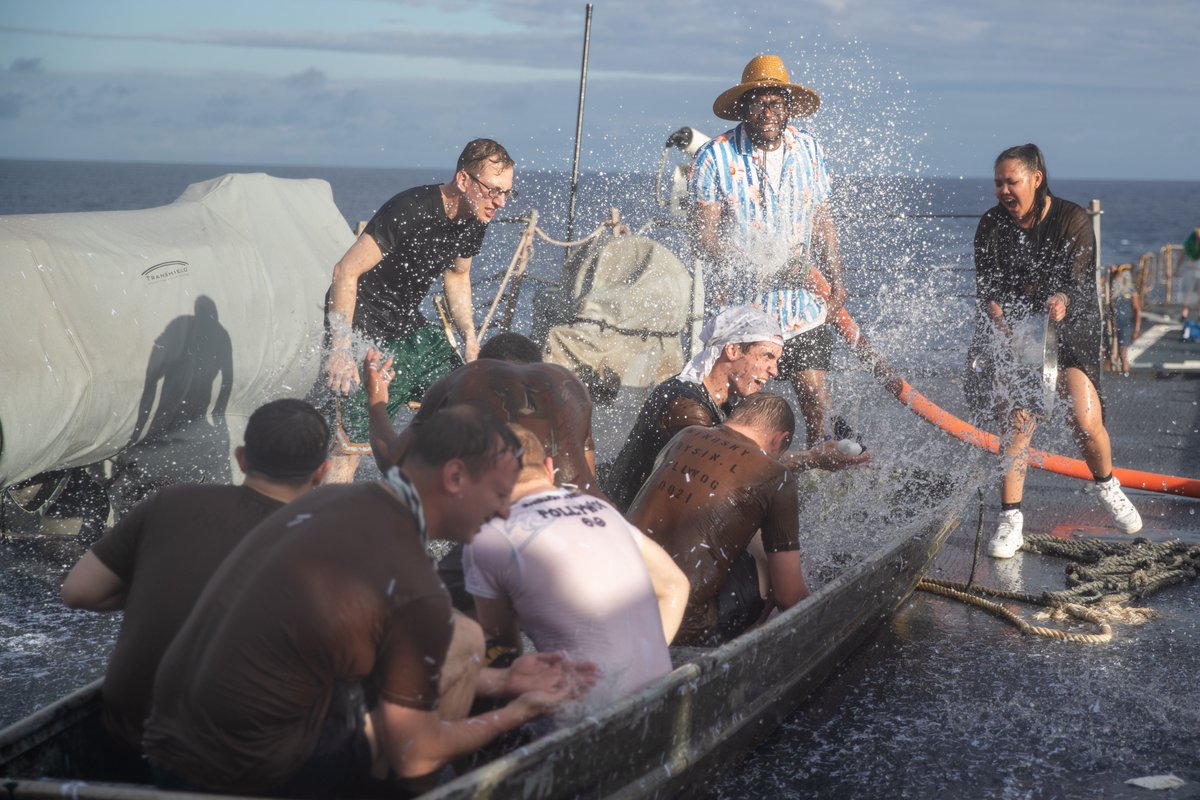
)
(1034, 253)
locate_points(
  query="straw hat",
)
(767, 71)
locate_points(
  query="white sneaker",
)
(1008, 538)
(1123, 513)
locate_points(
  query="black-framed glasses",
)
(761, 105)
(493, 192)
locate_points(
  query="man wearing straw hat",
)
(762, 221)
(379, 284)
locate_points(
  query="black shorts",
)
(342, 757)
(739, 604)
(811, 350)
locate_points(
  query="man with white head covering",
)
(741, 353)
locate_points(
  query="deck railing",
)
(1156, 272)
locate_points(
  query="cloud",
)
(28, 66)
(10, 105)
(311, 78)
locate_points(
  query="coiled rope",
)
(973, 597)
(1103, 575)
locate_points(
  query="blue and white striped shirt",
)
(763, 225)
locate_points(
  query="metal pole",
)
(587, 37)
(1101, 283)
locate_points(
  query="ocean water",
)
(910, 277)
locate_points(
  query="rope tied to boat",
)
(1102, 576)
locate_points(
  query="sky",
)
(1107, 88)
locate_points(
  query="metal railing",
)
(1155, 274)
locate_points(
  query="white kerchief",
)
(734, 325)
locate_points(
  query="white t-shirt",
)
(572, 568)
(773, 165)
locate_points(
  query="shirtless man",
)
(154, 563)
(741, 353)
(326, 640)
(714, 488)
(510, 381)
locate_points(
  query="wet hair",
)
(1030, 156)
(533, 452)
(465, 432)
(511, 347)
(478, 151)
(286, 441)
(745, 346)
(765, 411)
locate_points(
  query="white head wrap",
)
(734, 325)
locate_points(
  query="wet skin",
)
(766, 117)
(478, 188)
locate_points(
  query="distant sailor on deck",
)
(713, 490)
(379, 284)
(1189, 275)
(1035, 252)
(156, 561)
(763, 221)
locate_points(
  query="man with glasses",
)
(379, 284)
(762, 221)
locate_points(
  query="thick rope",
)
(1077, 611)
(546, 237)
(1103, 576)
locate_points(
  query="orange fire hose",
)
(925, 408)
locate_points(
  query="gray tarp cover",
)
(169, 325)
(622, 308)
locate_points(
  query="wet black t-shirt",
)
(672, 406)
(419, 242)
(1021, 268)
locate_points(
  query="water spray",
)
(965, 431)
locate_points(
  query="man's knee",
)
(809, 385)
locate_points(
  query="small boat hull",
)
(706, 713)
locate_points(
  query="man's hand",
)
(824, 456)
(543, 672)
(341, 374)
(544, 701)
(378, 377)
(807, 276)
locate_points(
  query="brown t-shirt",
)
(336, 586)
(164, 551)
(545, 398)
(711, 491)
